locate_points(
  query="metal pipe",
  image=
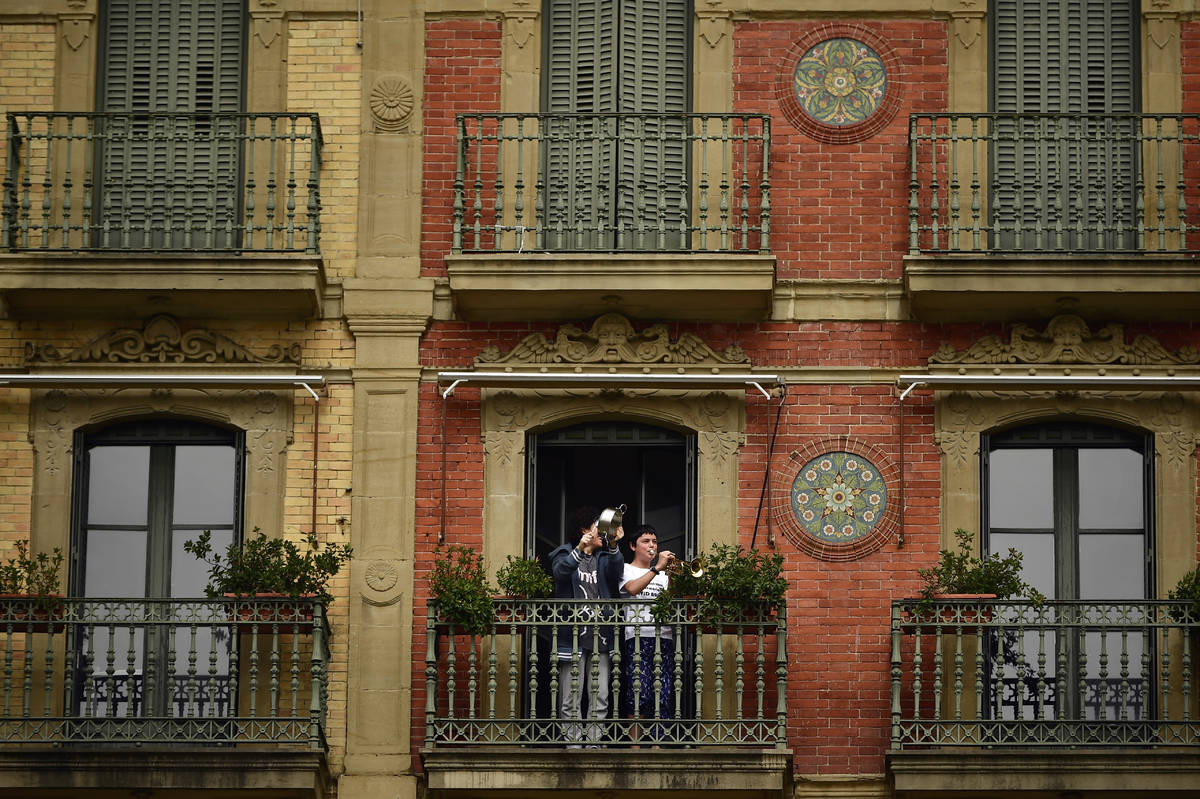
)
(1016, 382)
(630, 379)
(156, 380)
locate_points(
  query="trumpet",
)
(694, 567)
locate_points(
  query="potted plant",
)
(732, 585)
(262, 567)
(524, 578)
(1187, 590)
(961, 574)
(459, 584)
(30, 590)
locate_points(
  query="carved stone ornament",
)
(391, 105)
(1067, 339)
(161, 341)
(76, 30)
(381, 575)
(612, 339)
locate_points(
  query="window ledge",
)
(729, 773)
(718, 287)
(270, 773)
(49, 286)
(1119, 772)
(1008, 287)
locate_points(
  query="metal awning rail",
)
(151, 379)
(1011, 382)
(692, 380)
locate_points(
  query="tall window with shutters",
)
(616, 84)
(1064, 85)
(171, 84)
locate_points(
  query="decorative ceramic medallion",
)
(838, 497)
(840, 82)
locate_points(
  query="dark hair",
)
(582, 519)
(638, 532)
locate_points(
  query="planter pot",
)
(964, 615)
(282, 613)
(26, 613)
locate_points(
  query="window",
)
(142, 489)
(171, 80)
(614, 166)
(1064, 82)
(1074, 499)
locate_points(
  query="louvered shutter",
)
(654, 80)
(169, 180)
(615, 59)
(580, 154)
(1065, 181)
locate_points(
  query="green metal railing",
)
(1056, 183)
(162, 182)
(1059, 674)
(728, 682)
(151, 671)
(612, 183)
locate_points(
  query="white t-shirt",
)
(640, 611)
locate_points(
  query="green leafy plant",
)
(31, 575)
(1187, 590)
(524, 578)
(264, 565)
(459, 584)
(960, 571)
(736, 584)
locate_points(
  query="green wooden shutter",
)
(1065, 181)
(609, 57)
(172, 181)
(654, 67)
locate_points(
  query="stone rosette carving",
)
(1067, 339)
(381, 575)
(612, 339)
(391, 104)
(161, 340)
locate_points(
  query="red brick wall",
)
(462, 75)
(826, 198)
(839, 211)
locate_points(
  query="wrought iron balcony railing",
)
(155, 671)
(1054, 183)
(1060, 674)
(162, 182)
(715, 685)
(612, 183)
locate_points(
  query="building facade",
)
(824, 280)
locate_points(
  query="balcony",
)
(1050, 696)
(192, 214)
(561, 216)
(490, 709)
(1014, 216)
(215, 693)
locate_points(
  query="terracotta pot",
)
(283, 614)
(27, 612)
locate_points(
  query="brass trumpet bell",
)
(694, 567)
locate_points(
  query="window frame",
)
(1065, 472)
(158, 433)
